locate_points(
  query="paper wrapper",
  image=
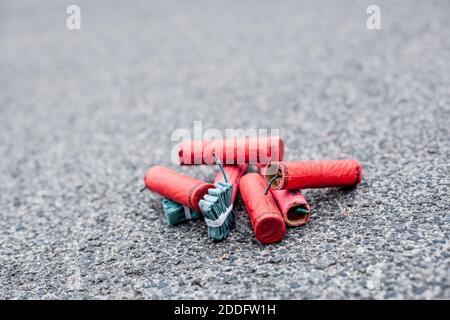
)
(231, 151)
(234, 174)
(267, 221)
(295, 175)
(288, 202)
(176, 187)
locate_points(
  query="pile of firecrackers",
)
(272, 196)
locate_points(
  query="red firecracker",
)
(176, 187)
(231, 151)
(266, 218)
(234, 174)
(293, 206)
(295, 175)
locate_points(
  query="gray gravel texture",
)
(83, 114)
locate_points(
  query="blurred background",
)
(84, 113)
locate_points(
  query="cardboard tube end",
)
(270, 229)
(198, 194)
(149, 174)
(294, 218)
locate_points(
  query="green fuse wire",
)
(301, 210)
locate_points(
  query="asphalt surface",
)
(83, 115)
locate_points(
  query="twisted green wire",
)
(220, 167)
(270, 182)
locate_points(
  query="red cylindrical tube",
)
(234, 174)
(313, 174)
(176, 187)
(289, 201)
(266, 218)
(231, 151)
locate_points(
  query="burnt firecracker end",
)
(293, 206)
